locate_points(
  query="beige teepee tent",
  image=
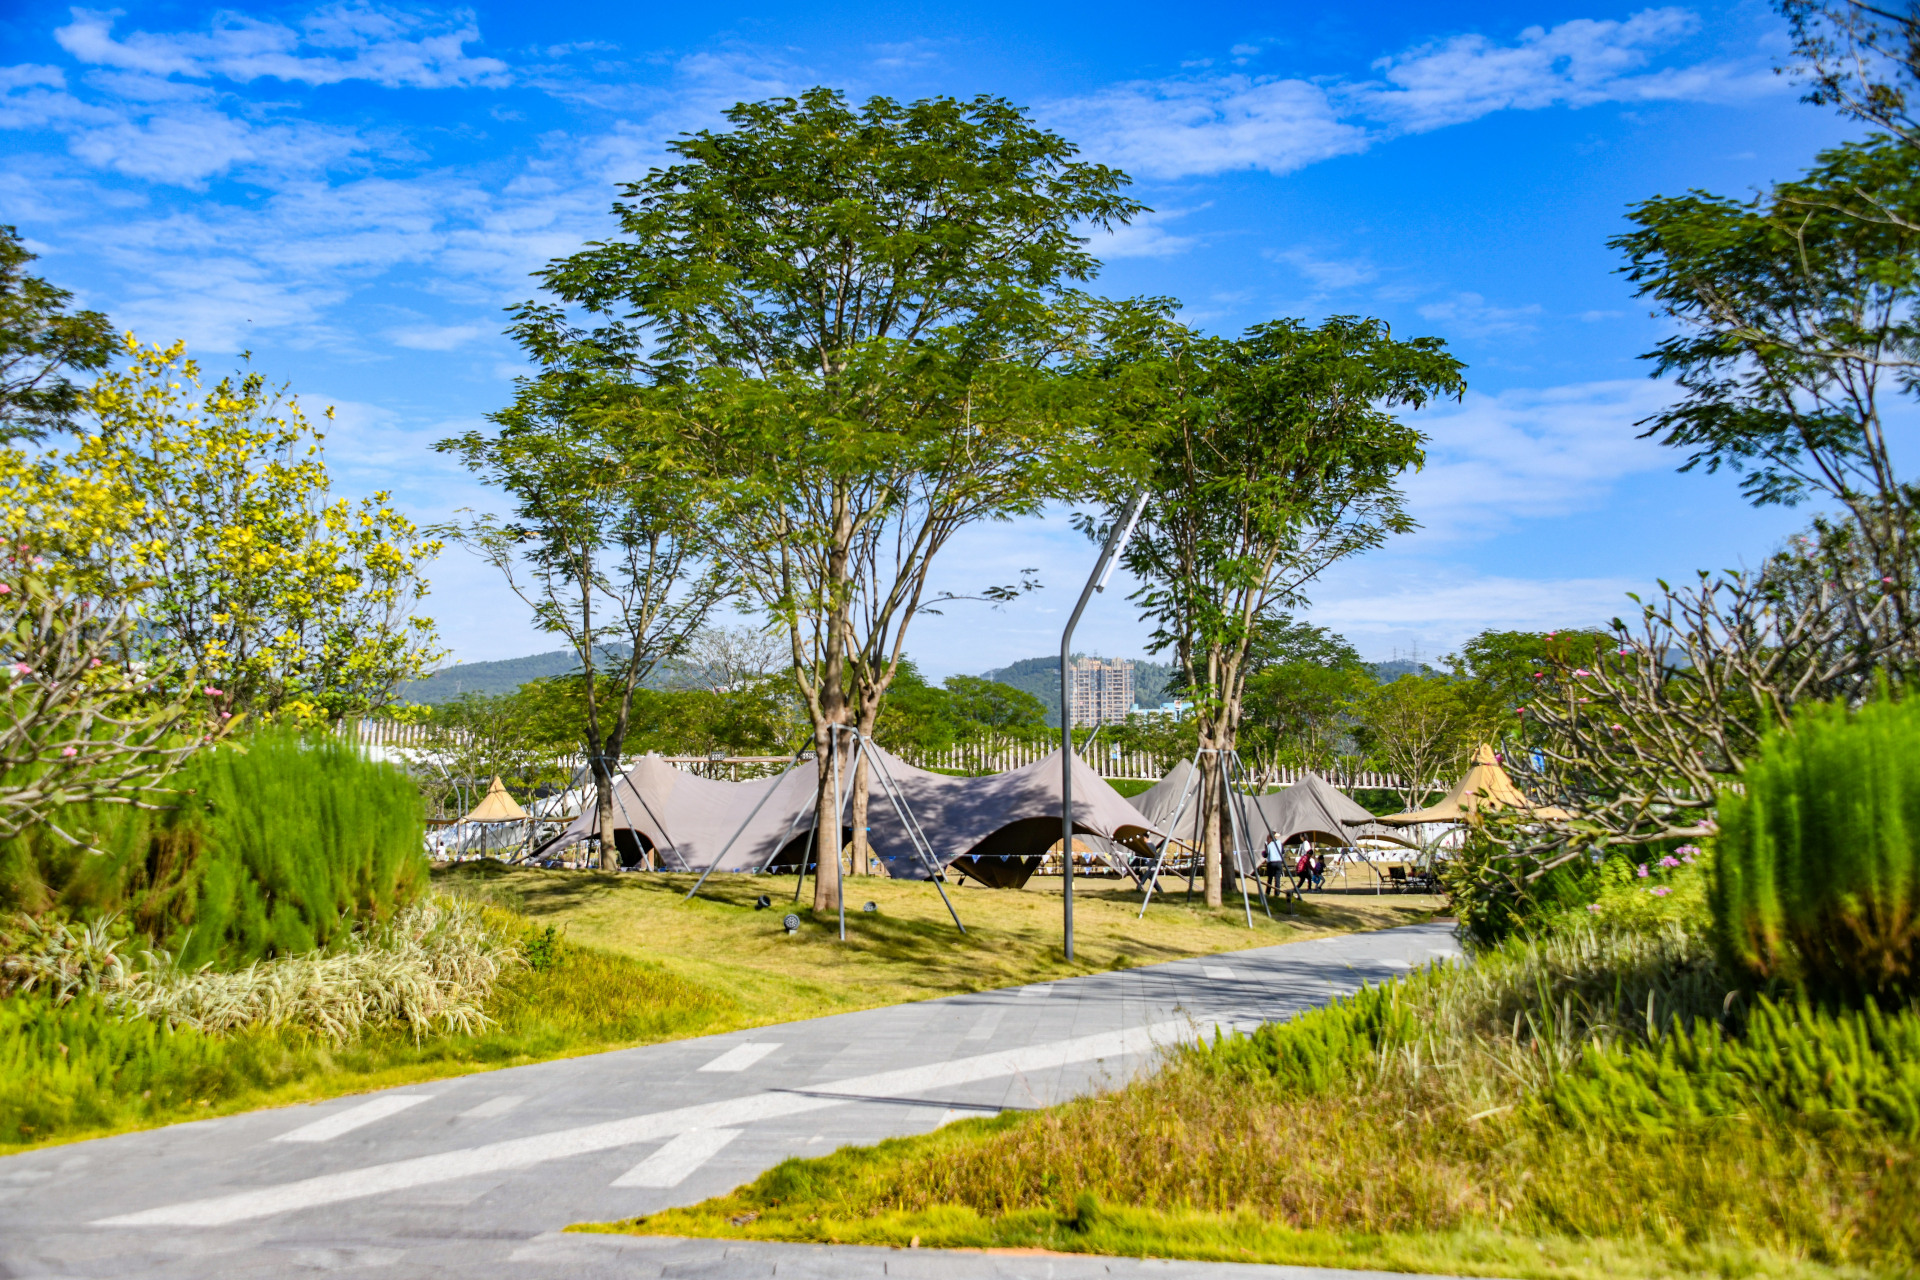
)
(1485, 786)
(497, 806)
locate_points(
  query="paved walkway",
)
(457, 1177)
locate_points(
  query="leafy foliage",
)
(1270, 457)
(1819, 861)
(852, 314)
(40, 342)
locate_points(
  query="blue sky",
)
(354, 192)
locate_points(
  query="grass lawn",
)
(908, 949)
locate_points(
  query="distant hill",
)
(1386, 672)
(504, 676)
(490, 678)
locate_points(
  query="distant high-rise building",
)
(1102, 690)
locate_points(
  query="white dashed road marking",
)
(1217, 973)
(988, 1024)
(740, 1057)
(671, 1164)
(520, 1153)
(494, 1107)
(329, 1127)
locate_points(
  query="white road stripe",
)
(1216, 972)
(520, 1153)
(1035, 993)
(988, 1024)
(327, 1128)
(671, 1164)
(494, 1107)
(740, 1057)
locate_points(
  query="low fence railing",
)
(980, 757)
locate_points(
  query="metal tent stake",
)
(1109, 556)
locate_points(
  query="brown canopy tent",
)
(1485, 786)
(1315, 807)
(1000, 825)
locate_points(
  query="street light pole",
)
(1109, 557)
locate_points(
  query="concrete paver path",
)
(473, 1176)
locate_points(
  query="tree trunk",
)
(1213, 811)
(603, 800)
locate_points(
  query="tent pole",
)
(1233, 795)
(744, 822)
(916, 836)
(1097, 581)
(1193, 771)
(839, 800)
(1246, 833)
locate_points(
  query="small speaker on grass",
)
(871, 908)
(762, 902)
(792, 922)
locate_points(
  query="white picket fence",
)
(967, 757)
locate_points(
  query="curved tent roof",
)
(497, 806)
(1485, 785)
(688, 820)
(1314, 806)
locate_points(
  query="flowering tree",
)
(211, 509)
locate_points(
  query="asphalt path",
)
(476, 1175)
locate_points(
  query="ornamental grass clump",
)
(1817, 878)
(431, 968)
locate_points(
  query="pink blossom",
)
(211, 692)
(226, 715)
(22, 669)
(1669, 861)
(1659, 891)
(5, 589)
(1888, 581)
(1581, 671)
(1593, 906)
(1623, 652)
(94, 663)
(1642, 873)
(69, 751)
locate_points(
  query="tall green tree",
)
(609, 540)
(858, 308)
(1272, 456)
(1299, 680)
(41, 342)
(1794, 325)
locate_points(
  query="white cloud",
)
(1183, 127)
(445, 337)
(1145, 237)
(1192, 125)
(1468, 315)
(332, 44)
(1531, 454)
(1326, 273)
(1441, 613)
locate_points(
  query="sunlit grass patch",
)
(1498, 1119)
